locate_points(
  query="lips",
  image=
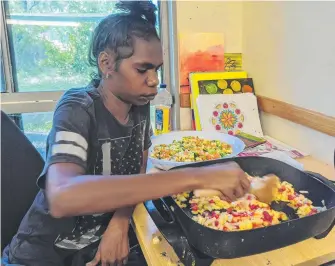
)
(150, 97)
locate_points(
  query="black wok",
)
(220, 244)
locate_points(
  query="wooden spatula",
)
(262, 188)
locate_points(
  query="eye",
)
(141, 71)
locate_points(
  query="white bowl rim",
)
(181, 133)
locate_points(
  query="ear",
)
(106, 63)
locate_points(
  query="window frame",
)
(5, 53)
(169, 37)
(13, 102)
(2, 73)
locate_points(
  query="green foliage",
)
(41, 127)
(73, 59)
(51, 57)
(54, 57)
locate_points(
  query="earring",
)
(107, 76)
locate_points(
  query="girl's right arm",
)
(71, 193)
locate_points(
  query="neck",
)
(119, 109)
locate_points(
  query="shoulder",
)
(77, 103)
(76, 109)
(78, 98)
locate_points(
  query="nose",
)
(152, 79)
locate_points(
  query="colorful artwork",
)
(226, 86)
(233, 62)
(210, 77)
(230, 113)
(199, 52)
(272, 145)
(227, 117)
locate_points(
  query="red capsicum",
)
(267, 217)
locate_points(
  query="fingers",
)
(124, 252)
(122, 261)
(105, 263)
(223, 197)
(95, 261)
(229, 194)
(239, 191)
(108, 258)
(109, 263)
(235, 183)
(245, 183)
(206, 193)
(119, 257)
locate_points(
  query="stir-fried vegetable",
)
(192, 149)
(245, 213)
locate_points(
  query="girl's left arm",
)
(114, 245)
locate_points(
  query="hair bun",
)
(143, 9)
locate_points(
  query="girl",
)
(97, 152)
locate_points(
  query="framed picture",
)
(202, 83)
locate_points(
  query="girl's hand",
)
(114, 245)
(227, 178)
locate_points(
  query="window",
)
(49, 42)
(36, 127)
(44, 53)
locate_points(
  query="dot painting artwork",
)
(230, 113)
(227, 117)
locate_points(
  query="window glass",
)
(49, 42)
(36, 126)
(48, 46)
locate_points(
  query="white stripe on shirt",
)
(71, 136)
(106, 158)
(69, 149)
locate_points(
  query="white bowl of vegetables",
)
(179, 148)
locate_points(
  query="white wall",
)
(210, 16)
(213, 16)
(289, 51)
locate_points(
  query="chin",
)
(141, 101)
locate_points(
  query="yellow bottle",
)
(162, 103)
(162, 117)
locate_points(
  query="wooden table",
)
(306, 253)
